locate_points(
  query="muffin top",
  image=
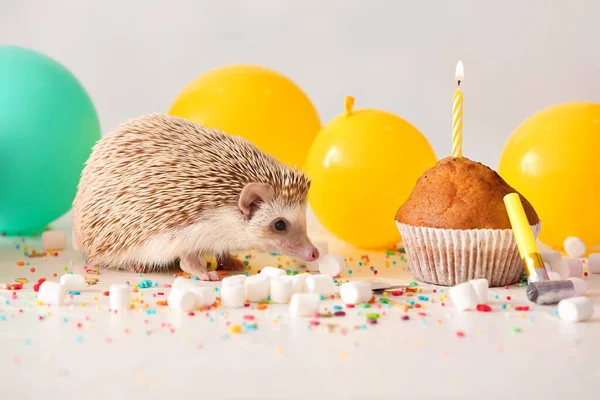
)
(458, 193)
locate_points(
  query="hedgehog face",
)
(275, 225)
(282, 229)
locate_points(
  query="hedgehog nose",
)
(314, 254)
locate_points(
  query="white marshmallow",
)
(257, 288)
(481, 287)
(183, 283)
(73, 281)
(272, 272)
(575, 309)
(323, 248)
(182, 299)
(332, 264)
(575, 267)
(320, 284)
(234, 279)
(580, 286)
(119, 296)
(547, 267)
(574, 246)
(304, 304)
(464, 296)
(299, 282)
(54, 240)
(356, 292)
(560, 266)
(594, 263)
(550, 256)
(554, 276)
(233, 295)
(52, 293)
(205, 296)
(282, 289)
(569, 267)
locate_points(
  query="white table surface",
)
(82, 351)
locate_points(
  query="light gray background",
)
(519, 56)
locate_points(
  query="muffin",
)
(455, 226)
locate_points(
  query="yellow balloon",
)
(256, 103)
(363, 165)
(553, 160)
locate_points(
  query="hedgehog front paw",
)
(214, 276)
(209, 276)
(194, 265)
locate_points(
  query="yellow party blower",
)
(534, 264)
(541, 289)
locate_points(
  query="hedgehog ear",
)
(253, 195)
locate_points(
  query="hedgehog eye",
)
(280, 225)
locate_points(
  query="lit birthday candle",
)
(457, 111)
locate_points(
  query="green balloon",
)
(48, 126)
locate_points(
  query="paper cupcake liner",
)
(448, 257)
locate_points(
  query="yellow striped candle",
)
(457, 111)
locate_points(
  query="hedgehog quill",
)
(160, 190)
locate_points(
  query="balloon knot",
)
(348, 104)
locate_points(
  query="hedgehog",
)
(161, 190)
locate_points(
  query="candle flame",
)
(460, 71)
